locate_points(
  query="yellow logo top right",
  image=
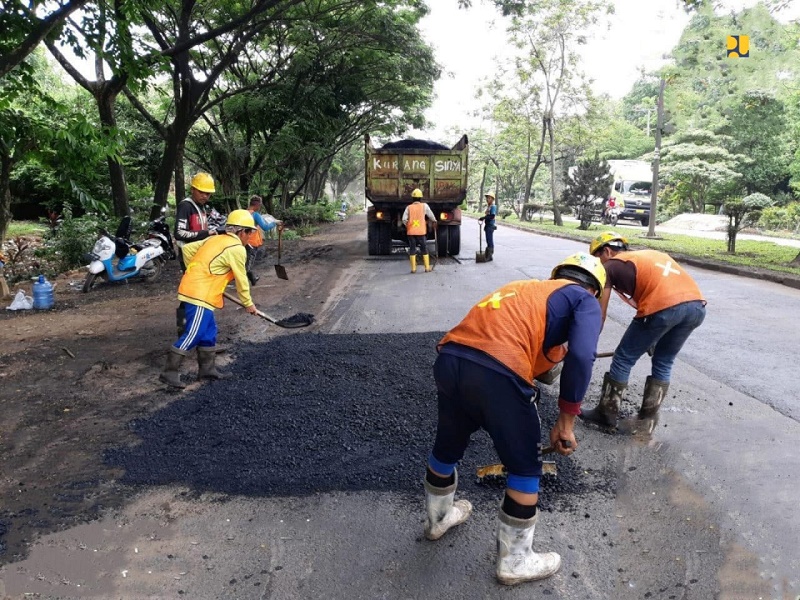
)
(738, 46)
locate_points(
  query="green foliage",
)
(73, 238)
(305, 216)
(699, 169)
(780, 218)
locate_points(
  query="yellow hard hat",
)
(241, 218)
(582, 268)
(204, 182)
(608, 238)
(417, 193)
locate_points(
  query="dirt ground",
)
(72, 378)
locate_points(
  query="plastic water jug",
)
(42, 294)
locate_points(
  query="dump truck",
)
(633, 180)
(395, 170)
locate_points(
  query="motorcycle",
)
(611, 214)
(144, 259)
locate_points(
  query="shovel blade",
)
(480, 257)
(280, 271)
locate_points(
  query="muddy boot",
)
(489, 253)
(426, 260)
(655, 391)
(413, 259)
(171, 375)
(206, 359)
(607, 410)
(252, 278)
(442, 512)
(516, 560)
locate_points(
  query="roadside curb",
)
(787, 279)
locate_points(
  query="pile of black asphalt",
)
(308, 413)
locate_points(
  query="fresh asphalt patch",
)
(310, 413)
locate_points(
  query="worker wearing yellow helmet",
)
(212, 264)
(485, 374)
(669, 306)
(415, 218)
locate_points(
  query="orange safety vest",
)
(254, 239)
(199, 283)
(509, 326)
(416, 219)
(660, 282)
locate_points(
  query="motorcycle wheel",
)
(613, 219)
(151, 270)
(88, 283)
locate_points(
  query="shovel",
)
(480, 255)
(293, 322)
(280, 270)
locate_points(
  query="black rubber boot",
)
(655, 391)
(171, 375)
(489, 254)
(206, 360)
(606, 412)
(252, 278)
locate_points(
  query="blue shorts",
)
(200, 330)
(473, 396)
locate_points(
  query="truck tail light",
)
(444, 216)
(379, 214)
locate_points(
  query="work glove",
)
(481, 219)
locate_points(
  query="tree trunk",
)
(106, 98)
(5, 195)
(557, 220)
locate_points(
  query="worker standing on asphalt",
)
(417, 230)
(211, 265)
(669, 306)
(485, 375)
(489, 225)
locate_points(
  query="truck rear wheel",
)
(379, 238)
(449, 240)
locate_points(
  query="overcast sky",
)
(468, 44)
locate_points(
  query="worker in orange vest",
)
(414, 217)
(669, 307)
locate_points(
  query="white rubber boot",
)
(443, 512)
(516, 560)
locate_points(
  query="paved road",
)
(705, 508)
(726, 444)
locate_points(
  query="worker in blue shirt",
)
(255, 242)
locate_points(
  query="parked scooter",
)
(611, 213)
(144, 259)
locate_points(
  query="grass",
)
(17, 228)
(758, 254)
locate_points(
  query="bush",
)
(65, 246)
(780, 218)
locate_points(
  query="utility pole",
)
(651, 231)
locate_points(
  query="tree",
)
(589, 181)
(546, 34)
(25, 25)
(757, 127)
(356, 70)
(699, 169)
(742, 212)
